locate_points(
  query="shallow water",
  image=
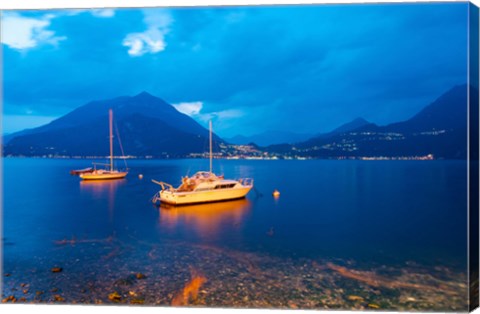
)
(342, 234)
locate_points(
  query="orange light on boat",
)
(276, 193)
(140, 176)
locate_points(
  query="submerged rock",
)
(9, 299)
(115, 297)
(137, 301)
(140, 276)
(355, 298)
(127, 281)
(373, 306)
(58, 298)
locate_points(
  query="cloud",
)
(152, 40)
(103, 12)
(222, 115)
(22, 33)
(193, 109)
(189, 108)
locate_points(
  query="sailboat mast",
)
(210, 127)
(110, 120)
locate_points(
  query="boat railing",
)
(164, 185)
(106, 166)
(100, 163)
(156, 198)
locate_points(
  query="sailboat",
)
(203, 187)
(104, 174)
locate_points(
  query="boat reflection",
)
(102, 189)
(205, 219)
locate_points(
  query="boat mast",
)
(210, 127)
(110, 119)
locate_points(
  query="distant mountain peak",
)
(452, 92)
(143, 94)
(449, 111)
(360, 120)
(350, 126)
(270, 137)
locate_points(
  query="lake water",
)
(342, 234)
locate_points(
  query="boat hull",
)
(103, 176)
(78, 172)
(200, 197)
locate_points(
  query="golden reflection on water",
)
(102, 189)
(205, 219)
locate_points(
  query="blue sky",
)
(307, 69)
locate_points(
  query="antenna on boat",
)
(210, 127)
(110, 119)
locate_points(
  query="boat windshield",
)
(203, 175)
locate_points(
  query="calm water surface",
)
(369, 214)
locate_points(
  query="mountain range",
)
(269, 138)
(439, 129)
(285, 137)
(149, 126)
